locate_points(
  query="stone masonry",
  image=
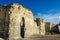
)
(41, 25)
(16, 22)
(48, 26)
(21, 22)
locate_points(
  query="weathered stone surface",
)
(17, 12)
(41, 25)
(13, 18)
(17, 22)
(4, 22)
(48, 26)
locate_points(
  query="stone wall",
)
(48, 26)
(4, 22)
(1, 21)
(16, 20)
(17, 12)
(41, 25)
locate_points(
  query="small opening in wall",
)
(23, 27)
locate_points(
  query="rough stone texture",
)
(41, 25)
(1, 21)
(11, 22)
(48, 27)
(4, 21)
(17, 12)
(17, 22)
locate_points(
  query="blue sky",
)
(49, 10)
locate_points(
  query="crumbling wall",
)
(17, 12)
(30, 26)
(4, 22)
(11, 22)
(2, 17)
(48, 26)
(41, 25)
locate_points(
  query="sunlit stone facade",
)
(41, 25)
(17, 22)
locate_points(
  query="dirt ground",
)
(47, 37)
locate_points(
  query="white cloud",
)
(53, 18)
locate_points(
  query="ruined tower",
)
(41, 25)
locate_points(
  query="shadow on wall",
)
(6, 20)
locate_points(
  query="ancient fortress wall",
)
(41, 25)
(17, 22)
(47, 26)
(4, 21)
(17, 14)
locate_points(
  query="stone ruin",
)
(56, 29)
(52, 28)
(21, 23)
(48, 27)
(18, 22)
(41, 25)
